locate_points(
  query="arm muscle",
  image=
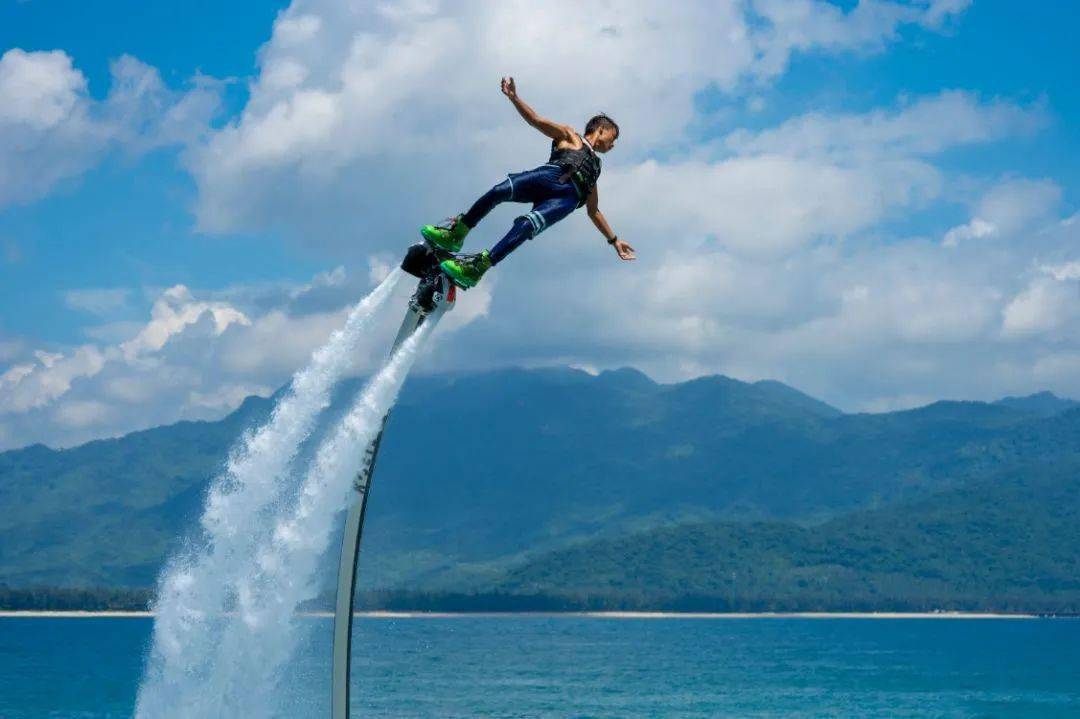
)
(556, 131)
(592, 207)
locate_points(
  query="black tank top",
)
(581, 166)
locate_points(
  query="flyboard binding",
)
(422, 261)
(434, 290)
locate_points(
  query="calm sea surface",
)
(519, 666)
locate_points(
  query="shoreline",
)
(378, 614)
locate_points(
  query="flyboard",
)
(434, 291)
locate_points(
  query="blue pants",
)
(552, 200)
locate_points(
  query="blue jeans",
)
(552, 199)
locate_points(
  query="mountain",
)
(481, 472)
(1043, 404)
(1007, 543)
(107, 512)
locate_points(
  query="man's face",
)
(605, 139)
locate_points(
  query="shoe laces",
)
(449, 222)
(471, 258)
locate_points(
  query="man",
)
(556, 189)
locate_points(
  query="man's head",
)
(601, 132)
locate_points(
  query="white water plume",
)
(264, 635)
(201, 584)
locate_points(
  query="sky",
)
(875, 202)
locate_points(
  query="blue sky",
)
(218, 39)
(280, 187)
(127, 223)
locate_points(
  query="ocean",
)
(574, 666)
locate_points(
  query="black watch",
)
(613, 240)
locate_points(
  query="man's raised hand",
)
(508, 87)
(624, 250)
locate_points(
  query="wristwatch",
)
(613, 240)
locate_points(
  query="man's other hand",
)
(623, 250)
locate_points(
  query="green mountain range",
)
(1005, 544)
(613, 490)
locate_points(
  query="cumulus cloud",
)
(766, 205)
(761, 277)
(976, 229)
(868, 326)
(926, 126)
(91, 391)
(762, 253)
(1063, 272)
(818, 176)
(198, 355)
(355, 102)
(46, 377)
(1015, 204)
(51, 129)
(767, 253)
(1008, 207)
(41, 89)
(29, 386)
(172, 313)
(800, 25)
(1049, 304)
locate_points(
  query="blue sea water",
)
(543, 666)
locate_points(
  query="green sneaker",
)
(449, 236)
(466, 271)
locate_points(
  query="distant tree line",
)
(60, 599)
(572, 602)
(110, 599)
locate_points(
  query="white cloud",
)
(925, 127)
(87, 391)
(821, 176)
(1016, 204)
(766, 205)
(868, 322)
(1049, 303)
(940, 12)
(1006, 208)
(196, 357)
(143, 113)
(354, 102)
(1045, 305)
(761, 255)
(15, 374)
(81, 414)
(29, 386)
(46, 133)
(51, 129)
(766, 254)
(800, 25)
(976, 229)
(172, 313)
(40, 90)
(1057, 368)
(1063, 272)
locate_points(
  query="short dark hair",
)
(598, 121)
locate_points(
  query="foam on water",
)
(223, 625)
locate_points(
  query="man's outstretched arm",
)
(553, 130)
(592, 207)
